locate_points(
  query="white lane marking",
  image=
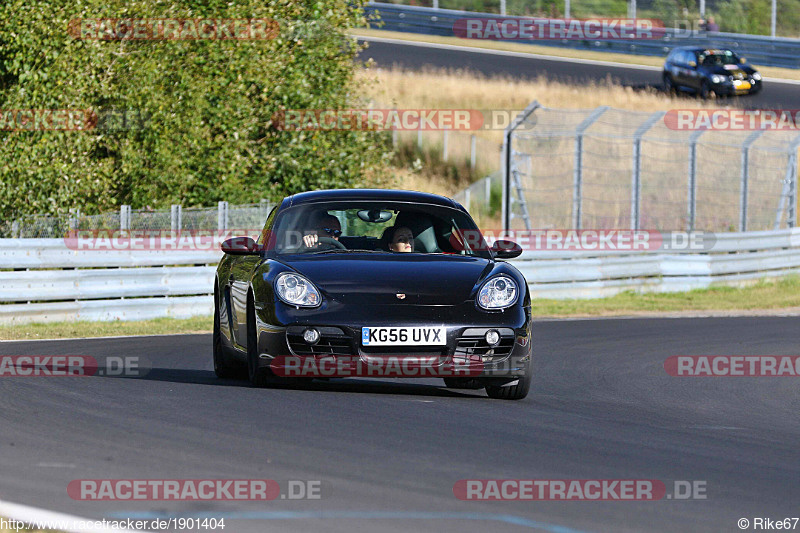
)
(25, 513)
(529, 55)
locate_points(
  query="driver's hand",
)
(311, 240)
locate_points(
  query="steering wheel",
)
(331, 242)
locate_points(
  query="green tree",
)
(206, 106)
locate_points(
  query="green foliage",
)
(207, 104)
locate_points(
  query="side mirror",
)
(692, 64)
(240, 246)
(504, 249)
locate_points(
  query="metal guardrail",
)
(64, 285)
(761, 50)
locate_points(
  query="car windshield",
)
(376, 227)
(719, 58)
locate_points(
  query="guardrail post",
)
(791, 216)
(467, 197)
(692, 187)
(745, 178)
(636, 179)
(15, 229)
(472, 141)
(175, 217)
(222, 215)
(577, 176)
(488, 180)
(124, 217)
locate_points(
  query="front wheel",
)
(224, 368)
(669, 85)
(511, 392)
(256, 374)
(705, 90)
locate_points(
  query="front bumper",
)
(465, 353)
(737, 87)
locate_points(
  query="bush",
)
(206, 106)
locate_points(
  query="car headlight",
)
(717, 78)
(756, 76)
(498, 293)
(294, 289)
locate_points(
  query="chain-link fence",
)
(608, 168)
(483, 200)
(223, 216)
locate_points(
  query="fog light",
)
(311, 336)
(492, 337)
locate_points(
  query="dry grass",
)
(461, 89)
(629, 59)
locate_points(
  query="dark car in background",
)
(708, 71)
(450, 301)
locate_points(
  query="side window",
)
(262, 239)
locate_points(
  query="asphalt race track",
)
(388, 453)
(415, 56)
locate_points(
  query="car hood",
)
(374, 279)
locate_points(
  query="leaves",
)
(206, 105)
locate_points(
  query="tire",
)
(257, 375)
(463, 383)
(224, 368)
(514, 392)
(705, 90)
(669, 85)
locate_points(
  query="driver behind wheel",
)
(326, 226)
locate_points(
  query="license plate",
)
(399, 336)
(741, 85)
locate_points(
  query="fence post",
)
(472, 160)
(636, 178)
(745, 178)
(577, 174)
(795, 146)
(15, 229)
(444, 145)
(222, 215)
(692, 192)
(505, 163)
(175, 217)
(124, 217)
(488, 180)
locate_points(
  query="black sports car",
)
(355, 278)
(707, 71)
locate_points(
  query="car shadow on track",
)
(354, 385)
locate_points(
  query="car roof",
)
(386, 195)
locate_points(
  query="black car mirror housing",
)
(240, 246)
(504, 249)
